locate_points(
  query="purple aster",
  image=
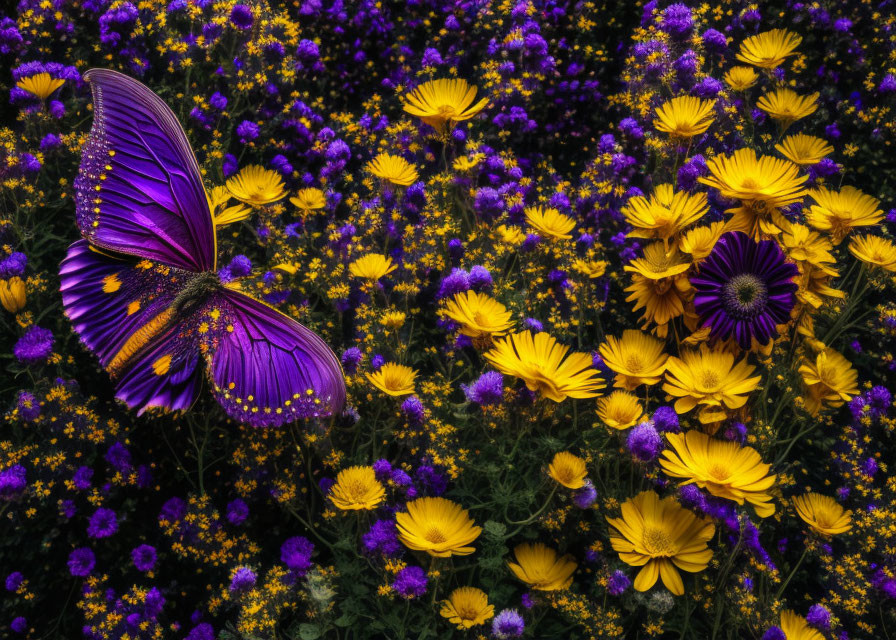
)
(665, 419)
(81, 562)
(888, 84)
(247, 131)
(410, 582)
(508, 624)
(103, 523)
(144, 557)
(414, 411)
(19, 624)
(13, 265)
(455, 282)
(243, 580)
(82, 477)
(203, 631)
(644, 442)
(715, 40)
(819, 617)
(382, 538)
(14, 580)
(744, 289)
(241, 16)
(351, 357)
(618, 583)
(487, 390)
(35, 346)
(28, 406)
(295, 553)
(480, 278)
(585, 496)
(12, 482)
(774, 633)
(119, 457)
(677, 20)
(237, 511)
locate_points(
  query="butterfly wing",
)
(139, 190)
(267, 369)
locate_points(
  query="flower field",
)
(343, 319)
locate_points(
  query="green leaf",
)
(308, 631)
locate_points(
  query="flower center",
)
(435, 536)
(749, 183)
(744, 296)
(447, 111)
(657, 542)
(633, 363)
(710, 379)
(719, 473)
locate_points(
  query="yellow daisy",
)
(393, 319)
(467, 607)
(769, 49)
(839, 213)
(568, 469)
(309, 199)
(804, 150)
(787, 106)
(637, 358)
(699, 241)
(541, 362)
(393, 379)
(620, 410)
(542, 568)
(256, 185)
(741, 78)
(662, 537)
(357, 489)
(550, 223)
(805, 246)
(590, 268)
(824, 514)
(797, 628)
(658, 285)
(438, 526)
(878, 252)
(479, 316)
(710, 379)
(372, 266)
(665, 213)
(223, 215)
(442, 102)
(684, 117)
(830, 380)
(394, 169)
(40, 85)
(725, 469)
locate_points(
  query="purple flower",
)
(644, 442)
(487, 390)
(382, 538)
(351, 358)
(119, 457)
(819, 617)
(714, 41)
(665, 419)
(744, 289)
(19, 624)
(414, 411)
(14, 580)
(618, 583)
(295, 553)
(202, 631)
(12, 482)
(888, 84)
(774, 633)
(243, 580)
(144, 557)
(81, 562)
(410, 582)
(13, 265)
(237, 511)
(82, 478)
(247, 131)
(103, 523)
(480, 278)
(35, 346)
(677, 20)
(508, 624)
(241, 16)
(28, 406)
(585, 496)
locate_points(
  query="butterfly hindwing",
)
(139, 190)
(267, 369)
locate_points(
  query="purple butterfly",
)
(142, 291)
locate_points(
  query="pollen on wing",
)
(161, 366)
(111, 283)
(133, 307)
(301, 405)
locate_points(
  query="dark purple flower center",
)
(744, 296)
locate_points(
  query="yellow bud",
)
(12, 294)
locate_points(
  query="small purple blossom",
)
(644, 442)
(81, 562)
(35, 346)
(410, 582)
(508, 624)
(103, 523)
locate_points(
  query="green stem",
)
(792, 573)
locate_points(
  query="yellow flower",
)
(763, 184)
(222, 214)
(806, 246)
(620, 410)
(684, 117)
(394, 169)
(309, 199)
(467, 607)
(550, 223)
(438, 526)
(698, 242)
(372, 266)
(878, 252)
(665, 213)
(394, 379)
(710, 379)
(511, 236)
(824, 514)
(12, 294)
(542, 568)
(660, 535)
(769, 49)
(357, 489)
(658, 285)
(590, 268)
(725, 469)
(797, 628)
(393, 319)
(466, 164)
(568, 470)
(804, 150)
(637, 358)
(256, 185)
(445, 101)
(741, 78)
(41, 85)
(538, 359)
(839, 213)
(787, 106)
(830, 380)
(479, 315)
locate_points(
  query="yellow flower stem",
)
(792, 573)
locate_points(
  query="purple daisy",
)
(744, 289)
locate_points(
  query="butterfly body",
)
(142, 290)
